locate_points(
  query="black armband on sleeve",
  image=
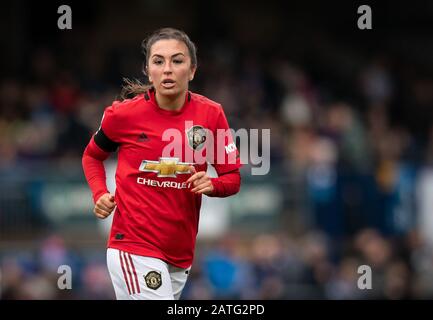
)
(104, 142)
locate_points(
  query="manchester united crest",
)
(196, 137)
(153, 280)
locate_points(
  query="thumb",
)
(111, 198)
(192, 169)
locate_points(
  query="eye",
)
(157, 61)
(177, 61)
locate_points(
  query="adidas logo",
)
(142, 137)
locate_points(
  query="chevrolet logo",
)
(166, 167)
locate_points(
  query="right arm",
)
(96, 152)
(94, 171)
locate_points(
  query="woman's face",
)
(169, 67)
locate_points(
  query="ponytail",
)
(132, 88)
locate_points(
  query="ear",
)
(192, 73)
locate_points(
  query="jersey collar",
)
(149, 96)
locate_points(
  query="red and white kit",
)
(157, 215)
(136, 277)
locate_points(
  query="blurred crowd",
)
(265, 266)
(351, 143)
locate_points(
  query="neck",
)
(170, 103)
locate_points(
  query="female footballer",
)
(159, 131)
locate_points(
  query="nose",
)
(167, 68)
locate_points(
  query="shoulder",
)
(120, 113)
(126, 106)
(203, 101)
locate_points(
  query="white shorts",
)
(144, 278)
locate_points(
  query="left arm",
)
(229, 179)
(225, 185)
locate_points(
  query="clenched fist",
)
(104, 206)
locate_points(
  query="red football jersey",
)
(157, 215)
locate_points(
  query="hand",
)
(104, 206)
(201, 182)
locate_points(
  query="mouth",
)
(168, 83)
